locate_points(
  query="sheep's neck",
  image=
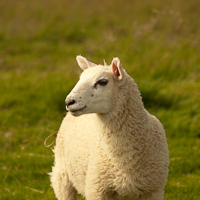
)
(128, 113)
(125, 128)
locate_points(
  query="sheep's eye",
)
(102, 82)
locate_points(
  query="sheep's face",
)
(96, 88)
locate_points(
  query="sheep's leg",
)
(93, 193)
(96, 185)
(63, 188)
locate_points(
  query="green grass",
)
(158, 43)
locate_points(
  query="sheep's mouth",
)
(77, 110)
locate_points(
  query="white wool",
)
(108, 146)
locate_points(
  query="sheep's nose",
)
(70, 102)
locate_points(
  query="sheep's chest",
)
(76, 164)
(78, 138)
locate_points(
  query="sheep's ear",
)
(117, 69)
(84, 63)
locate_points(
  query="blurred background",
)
(158, 43)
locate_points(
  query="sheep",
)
(108, 145)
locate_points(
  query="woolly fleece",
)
(121, 155)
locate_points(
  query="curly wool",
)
(121, 155)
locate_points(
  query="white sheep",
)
(109, 146)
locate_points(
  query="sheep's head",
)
(96, 88)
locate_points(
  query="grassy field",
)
(158, 43)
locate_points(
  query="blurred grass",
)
(158, 43)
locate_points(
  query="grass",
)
(158, 43)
